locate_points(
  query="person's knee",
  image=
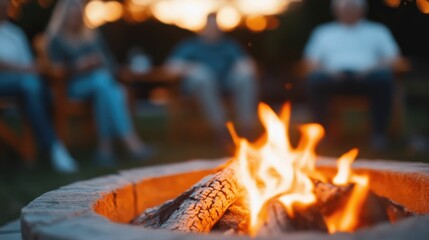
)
(119, 92)
(243, 84)
(244, 69)
(243, 76)
(102, 78)
(30, 84)
(200, 76)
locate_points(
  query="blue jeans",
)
(241, 84)
(378, 86)
(28, 89)
(108, 99)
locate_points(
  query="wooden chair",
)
(21, 142)
(339, 105)
(64, 109)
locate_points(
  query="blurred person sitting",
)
(212, 65)
(352, 56)
(84, 54)
(19, 77)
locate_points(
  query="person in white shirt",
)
(352, 56)
(19, 78)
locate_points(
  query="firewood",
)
(304, 218)
(372, 211)
(308, 218)
(276, 220)
(199, 208)
(235, 220)
(326, 192)
(336, 200)
(395, 211)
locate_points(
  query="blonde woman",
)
(83, 52)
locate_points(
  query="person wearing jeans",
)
(84, 54)
(213, 65)
(352, 56)
(377, 86)
(110, 102)
(19, 79)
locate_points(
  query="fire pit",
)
(102, 208)
(268, 189)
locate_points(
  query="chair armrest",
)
(401, 66)
(154, 75)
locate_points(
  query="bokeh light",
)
(256, 23)
(114, 11)
(392, 3)
(228, 18)
(95, 13)
(190, 14)
(423, 5)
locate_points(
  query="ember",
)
(271, 188)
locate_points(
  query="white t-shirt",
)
(358, 48)
(14, 47)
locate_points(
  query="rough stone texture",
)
(96, 208)
(11, 231)
(11, 227)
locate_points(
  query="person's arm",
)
(28, 65)
(179, 61)
(243, 63)
(6, 66)
(388, 49)
(313, 52)
(57, 51)
(388, 52)
(87, 63)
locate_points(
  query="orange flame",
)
(272, 169)
(344, 168)
(347, 219)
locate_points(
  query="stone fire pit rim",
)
(68, 212)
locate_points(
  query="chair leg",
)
(24, 145)
(398, 112)
(28, 145)
(61, 126)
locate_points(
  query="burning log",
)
(199, 208)
(235, 220)
(327, 192)
(395, 211)
(278, 221)
(372, 211)
(308, 219)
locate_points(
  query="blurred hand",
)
(41, 66)
(34, 69)
(180, 67)
(89, 62)
(336, 75)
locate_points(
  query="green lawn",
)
(18, 186)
